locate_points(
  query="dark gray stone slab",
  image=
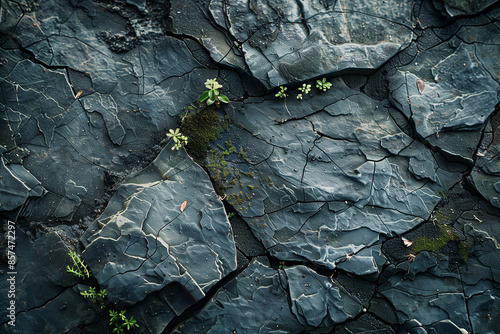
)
(147, 238)
(366, 324)
(485, 175)
(333, 181)
(318, 301)
(127, 103)
(43, 295)
(283, 42)
(17, 188)
(417, 294)
(328, 185)
(455, 8)
(264, 299)
(461, 95)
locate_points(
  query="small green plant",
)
(305, 89)
(323, 85)
(120, 321)
(179, 138)
(282, 92)
(230, 214)
(79, 268)
(94, 296)
(212, 95)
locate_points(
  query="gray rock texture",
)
(332, 180)
(316, 302)
(165, 225)
(285, 42)
(370, 206)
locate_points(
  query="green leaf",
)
(102, 293)
(113, 316)
(130, 323)
(204, 96)
(210, 102)
(223, 98)
(211, 95)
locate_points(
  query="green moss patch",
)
(201, 128)
(445, 235)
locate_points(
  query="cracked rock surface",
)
(368, 207)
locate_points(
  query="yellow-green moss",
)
(229, 146)
(250, 186)
(464, 248)
(200, 128)
(441, 218)
(242, 155)
(250, 174)
(444, 236)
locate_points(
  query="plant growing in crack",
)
(178, 137)
(282, 94)
(79, 268)
(323, 84)
(121, 322)
(117, 319)
(305, 89)
(212, 95)
(95, 297)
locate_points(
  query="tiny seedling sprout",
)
(178, 137)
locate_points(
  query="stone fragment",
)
(43, 295)
(318, 301)
(455, 8)
(144, 240)
(485, 176)
(18, 189)
(461, 96)
(106, 107)
(330, 185)
(264, 299)
(418, 293)
(284, 42)
(70, 202)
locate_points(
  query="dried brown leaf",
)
(407, 242)
(420, 85)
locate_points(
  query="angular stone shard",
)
(462, 7)
(106, 107)
(143, 242)
(43, 294)
(18, 188)
(318, 301)
(71, 201)
(461, 96)
(418, 292)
